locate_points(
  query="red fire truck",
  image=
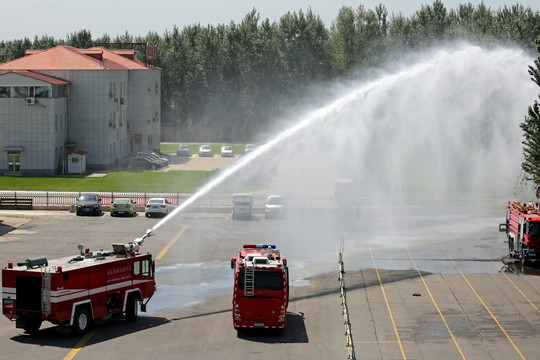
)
(522, 229)
(76, 290)
(261, 287)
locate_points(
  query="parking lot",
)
(437, 289)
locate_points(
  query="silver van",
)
(242, 205)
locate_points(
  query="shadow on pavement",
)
(294, 332)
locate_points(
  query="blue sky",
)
(59, 18)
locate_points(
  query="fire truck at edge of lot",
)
(522, 229)
(76, 290)
(261, 287)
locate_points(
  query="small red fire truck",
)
(522, 229)
(261, 287)
(76, 290)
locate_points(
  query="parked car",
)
(157, 206)
(88, 204)
(154, 156)
(123, 207)
(183, 150)
(142, 163)
(227, 151)
(242, 205)
(205, 150)
(275, 207)
(249, 148)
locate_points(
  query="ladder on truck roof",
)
(249, 280)
(46, 292)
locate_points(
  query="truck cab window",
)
(137, 268)
(533, 229)
(146, 268)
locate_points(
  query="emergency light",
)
(257, 246)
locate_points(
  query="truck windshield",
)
(534, 229)
(265, 279)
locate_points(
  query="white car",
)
(157, 206)
(275, 207)
(227, 151)
(205, 150)
(249, 148)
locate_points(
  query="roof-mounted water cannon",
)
(133, 246)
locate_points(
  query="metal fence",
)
(212, 201)
(345, 307)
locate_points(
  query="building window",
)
(5, 91)
(14, 161)
(41, 91)
(21, 91)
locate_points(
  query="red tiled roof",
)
(36, 76)
(70, 58)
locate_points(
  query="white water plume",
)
(446, 126)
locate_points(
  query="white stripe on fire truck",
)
(8, 292)
(70, 294)
(63, 295)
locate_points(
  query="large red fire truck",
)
(522, 229)
(261, 287)
(76, 290)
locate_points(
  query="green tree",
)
(15, 49)
(81, 39)
(531, 129)
(45, 42)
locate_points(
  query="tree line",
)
(238, 78)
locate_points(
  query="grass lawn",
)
(121, 181)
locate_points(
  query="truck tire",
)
(132, 308)
(82, 321)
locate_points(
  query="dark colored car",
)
(164, 161)
(88, 204)
(183, 150)
(142, 163)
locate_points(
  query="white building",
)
(100, 101)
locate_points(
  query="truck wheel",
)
(82, 321)
(132, 309)
(32, 324)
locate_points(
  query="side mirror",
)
(233, 263)
(503, 228)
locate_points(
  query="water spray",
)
(427, 74)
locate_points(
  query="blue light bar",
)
(255, 246)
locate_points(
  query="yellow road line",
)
(436, 306)
(484, 304)
(81, 343)
(511, 282)
(388, 305)
(171, 243)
